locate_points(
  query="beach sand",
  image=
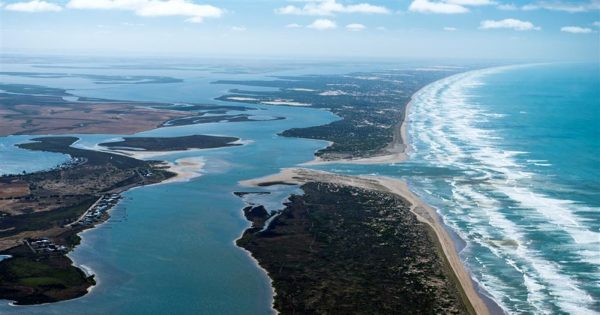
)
(422, 211)
(186, 169)
(142, 154)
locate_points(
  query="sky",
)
(555, 30)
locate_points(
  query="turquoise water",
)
(526, 140)
(509, 156)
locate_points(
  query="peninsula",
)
(357, 245)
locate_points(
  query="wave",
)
(495, 207)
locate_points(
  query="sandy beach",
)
(423, 212)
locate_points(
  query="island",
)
(172, 143)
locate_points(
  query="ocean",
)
(509, 156)
(526, 143)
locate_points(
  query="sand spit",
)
(186, 169)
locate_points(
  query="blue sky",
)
(465, 29)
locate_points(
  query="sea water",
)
(510, 158)
(526, 143)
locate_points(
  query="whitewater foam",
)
(495, 201)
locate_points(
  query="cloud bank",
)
(513, 24)
(331, 7)
(571, 7)
(575, 30)
(322, 24)
(355, 27)
(446, 6)
(33, 7)
(195, 13)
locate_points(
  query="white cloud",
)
(381, 28)
(426, 6)
(322, 24)
(331, 7)
(514, 24)
(507, 7)
(238, 28)
(355, 27)
(446, 6)
(449, 29)
(597, 23)
(132, 24)
(576, 29)
(33, 6)
(471, 2)
(196, 13)
(293, 25)
(563, 6)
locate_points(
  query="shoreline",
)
(258, 266)
(397, 152)
(181, 170)
(422, 211)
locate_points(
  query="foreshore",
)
(422, 211)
